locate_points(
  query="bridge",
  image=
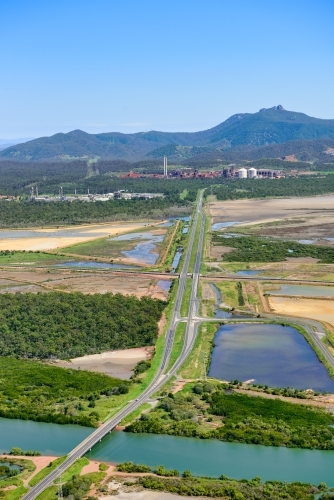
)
(193, 320)
(160, 377)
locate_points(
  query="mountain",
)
(267, 127)
(6, 143)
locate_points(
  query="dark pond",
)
(164, 284)
(176, 259)
(249, 272)
(272, 355)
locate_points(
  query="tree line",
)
(62, 325)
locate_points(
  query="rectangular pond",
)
(304, 290)
(273, 355)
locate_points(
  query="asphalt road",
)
(160, 378)
(193, 320)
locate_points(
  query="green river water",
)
(202, 457)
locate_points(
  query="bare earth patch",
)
(322, 310)
(13, 281)
(119, 364)
(51, 239)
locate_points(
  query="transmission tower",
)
(60, 489)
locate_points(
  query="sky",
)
(171, 65)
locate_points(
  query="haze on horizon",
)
(182, 66)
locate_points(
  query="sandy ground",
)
(148, 495)
(322, 310)
(51, 239)
(12, 281)
(266, 210)
(119, 364)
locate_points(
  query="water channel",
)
(203, 457)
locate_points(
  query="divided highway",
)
(160, 378)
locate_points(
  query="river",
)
(203, 457)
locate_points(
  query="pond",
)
(219, 225)
(144, 252)
(272, 355)
(176, 259)
(164, 285)
(249, 272)
(303, 290)
(220, 313)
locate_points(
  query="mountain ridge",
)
(267, 127)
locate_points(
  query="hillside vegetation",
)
(268, 126)
(67, 325)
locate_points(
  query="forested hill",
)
(268, 126)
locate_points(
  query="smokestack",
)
(165, 166)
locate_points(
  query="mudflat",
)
(266, 210)
(119, 364)
(12, 281)
(322, 310)
(53, 238)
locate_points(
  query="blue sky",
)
(134, 65)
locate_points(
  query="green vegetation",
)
(65, 325)
(141, 367)
(207, 411)
(131, 467)
(11, 484)
(49, 494)
(16, 451)
(257, 249)
(186, 298)
(46, 471)
(241, 300)
(229, 291)
(231, 489)
(195, 245)
(196, 365)
(35, 391)
(30, 258)
(263, 188)
(75, 468)
(179, 334)
(32, 213)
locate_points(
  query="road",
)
(193, 321)
(160, 378)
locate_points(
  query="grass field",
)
(44, 472)
(199, 359)
(177, 344)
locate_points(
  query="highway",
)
(160, 378)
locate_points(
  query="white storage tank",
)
(252, 172)
(242, 173)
